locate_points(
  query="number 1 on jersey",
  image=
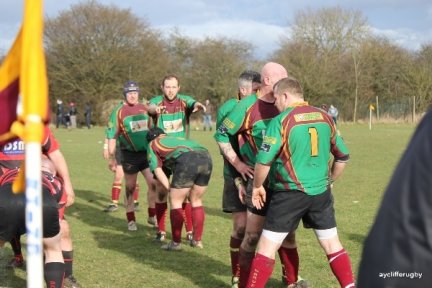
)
(313, 133)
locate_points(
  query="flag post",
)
(371, 108)
(34, 96)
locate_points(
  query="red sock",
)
(198, 216)
(187, 207)
(161, 211)
(151, 212)
(341, 266)
(245, 260)
(234, 253)
(115, 191)
(176, 216)
(290, 264)
(260, 272)
(130, 216)
(136, 192)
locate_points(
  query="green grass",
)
(107, 255)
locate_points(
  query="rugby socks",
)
(187, 207)
(234, 253)
(260, 272)
(176, 216)
(151, 212)
(68, 261)
(161, 211)
(16, 248)
(130, 216)
(54, 274)
(136, 192)
(115, 192)
(341, 266)
(245, 260)
(198, 217)
(290, 264)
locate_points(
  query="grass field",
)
(107, 255)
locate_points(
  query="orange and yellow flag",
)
(23, 78)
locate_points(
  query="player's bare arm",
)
(199, 106)
(160, 175)
(337, 169)
(62, 169)
(154, 109)
(232, 157)
(241, 189)
(112, 163)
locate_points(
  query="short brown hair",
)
(289, 84)
(170, 76)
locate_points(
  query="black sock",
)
(54, 274)
(16, 246)
(68, 260)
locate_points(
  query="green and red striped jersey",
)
(248, 122)
(298, 145)
(174, 120)
(165, 149)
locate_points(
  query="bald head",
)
(272, 69)
(270, 74)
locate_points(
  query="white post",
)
(35, 271)
(370, 118)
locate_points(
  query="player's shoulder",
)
(185, 97)
(247, 101)
(229, 104)
(156, 99)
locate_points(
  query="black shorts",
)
(12, 213)
(134, 162)
(192, 168)
(287, 208)
(118, 156)
(230, 198)
(248, 200)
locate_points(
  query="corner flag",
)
(24, 104)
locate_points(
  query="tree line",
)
(92, 49)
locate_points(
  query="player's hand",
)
(112, 165)
(199, 106)
(160, 109)
(258, 197)
(245, 170)
(105, 154)
(242, 193)
(70, 195)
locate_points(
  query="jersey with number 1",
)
(248, 121)
(298, 144)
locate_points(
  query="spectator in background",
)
(59, 113)
(72, 114)
(333, 112)
(87, 114)
(207, 118)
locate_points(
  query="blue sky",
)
(260, 22)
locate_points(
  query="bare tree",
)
(93, 49)
(324, 38)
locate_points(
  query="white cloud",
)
(406, 38)
(264, 37)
